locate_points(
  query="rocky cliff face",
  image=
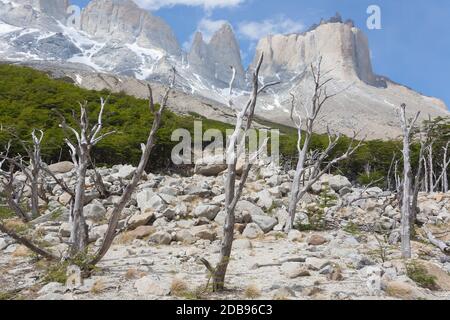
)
(124, 21)
(53, 8)
(344, 48)
(213, 60)
(365, 101)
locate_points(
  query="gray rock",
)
(148, 285)
(265, 200)
(252, 231)
(294, 270)
(185, 236)
(210, 166)
(140, 219)
(95, 212)
(338, 182)
(65, 229)
(52, 287)
(264, 222)
(61, 167)
(147, 199)
(125, 172)
(206, 211)
(3, 243)
(161, 237)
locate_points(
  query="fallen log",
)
(438, 243)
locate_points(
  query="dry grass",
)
(16, 225)
(179, 287)
(133, 274)
(125, 238)
(21, 251)
(252, 291)
(98, 287)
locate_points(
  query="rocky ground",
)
(345, 246)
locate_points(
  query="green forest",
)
(29, 98)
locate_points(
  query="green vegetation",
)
(6, 213)
(416, 272)
(29, 98)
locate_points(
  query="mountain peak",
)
(125, 21)
(213, 59)
(345, 51)
(53, 8)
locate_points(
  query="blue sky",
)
(412, 48)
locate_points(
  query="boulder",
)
(252, 231)
(65, 229)
(266, 223)
(316, 264)
(185, 236)
(295, 236)
(140, 219)
(94, 212)
(244, 206)
(142, 232)
(204, 232)
(206, 211)
(294, 270)
(338, 182)
(125, 172)
(61, 167)
(161, 237)
(265, 200)
(147, 199)
(282, 217)
(150, 286)
(52, 287)
(3, 243)
(210, 166)
(317, 240)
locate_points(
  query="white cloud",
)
(207, 4)
(255, 30)
(208, 27)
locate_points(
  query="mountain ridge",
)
(119, 38)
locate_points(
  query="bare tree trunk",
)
(228, 231)
(86, 138)
(388, 178)
(417, 182)
(111, 233)
(79, 235)
(312, 110)
(232, 195)
(407, 186)
(27, 243)
(431, 168)
(426, 175)
(444, 165)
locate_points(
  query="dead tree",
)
(407, 127)
(31, 168)
(86, 137)
(12, 189)
(312, 110)
(424, 143)
(442, 179)
(445, 167)
(233, 190)
(431, 168)
(111, 233)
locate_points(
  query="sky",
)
(412, 47)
